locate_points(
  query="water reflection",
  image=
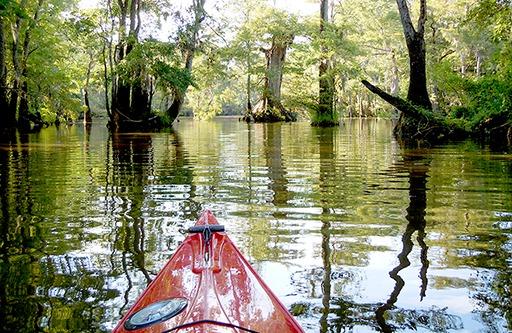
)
(38, 288)
(145, 187)
(132, 162)
(88, 219)
(21, 239)
(272, 136)
(326, 147)
(417, 167)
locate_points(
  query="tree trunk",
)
(174, 110)
(88, 113)
(417, 120)
(25, 117)
(130, 107)
(395, 79)
(425, 124)
(140, 100)
(248, 87)
(8, 118)
(417, 93)
(121, 114)
(248, 109)
(325, 115)
(270, 108)
(24, 113)
(15, 50)
(179, 96)
(478, 63)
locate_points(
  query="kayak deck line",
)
(207, 286)
(214, 322)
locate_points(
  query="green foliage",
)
(489, 98)
(472, 79)
(493, 13)
(11, 8)
(158, 60)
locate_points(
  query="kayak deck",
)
(221, 290)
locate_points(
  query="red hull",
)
(223, 292)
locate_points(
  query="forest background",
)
(141, 63)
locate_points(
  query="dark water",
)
(352, 232)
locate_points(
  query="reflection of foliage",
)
(58, 292)
(346, 314)
(497, 293)
(309, 282)
(434, 319)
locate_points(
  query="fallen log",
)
(417, 122)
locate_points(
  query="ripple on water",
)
(359, 232)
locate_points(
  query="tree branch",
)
(446, 54)
(405, 17)
(399, 103)
(423, 18)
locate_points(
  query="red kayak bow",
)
(207, 286)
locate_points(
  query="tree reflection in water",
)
(434, 319)
(418, 169)
(326, 138)
(274, 160)
(132, 162)
(21, 241)
(39, 286)
(138, 236)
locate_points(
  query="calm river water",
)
(352, 231)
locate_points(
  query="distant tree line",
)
(443, 67)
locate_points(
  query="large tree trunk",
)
(140, 100)
(426, 124)
(417, 120)
(270, 108)
(417, 93)
(325, 116)
(127, 99)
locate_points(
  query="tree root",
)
(267, 112)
